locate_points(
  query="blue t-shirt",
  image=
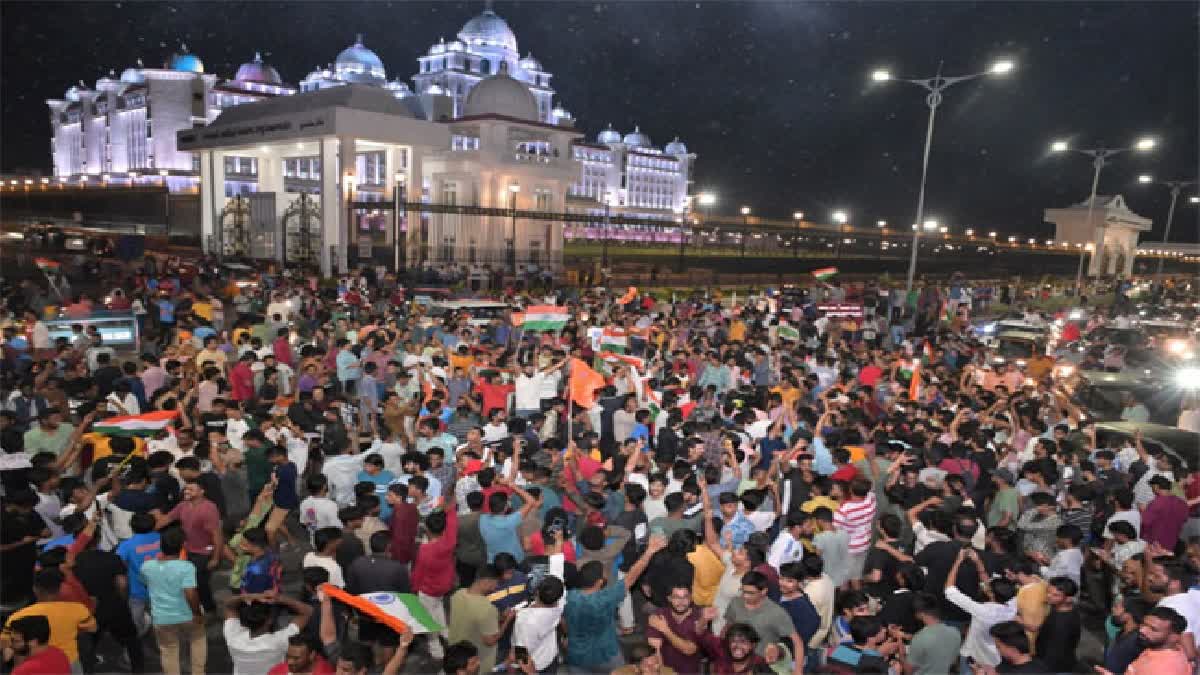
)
(133, 552)
(347, 366)
(165, 581)
(261, 574)
(285, 489)
(166, 311)
(381, 480)
(804, 616)
(500, 535)
(591, 631)
(64, 541)
(137, 501)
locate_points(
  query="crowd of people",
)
(638, 486)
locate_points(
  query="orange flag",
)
(583, 384)
(914, 387)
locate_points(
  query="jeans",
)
(203, 580)
(170, 636)
(138, 609)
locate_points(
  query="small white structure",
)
(1112, 232)
(330, 150)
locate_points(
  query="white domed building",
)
(107, 131)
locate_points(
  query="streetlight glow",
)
(881, 75)
(1194, 199)
(707, 199)
(798, 215)
(882, 223)
(1002, 67)
(970, 232)
(514, 188)
(992, 235)
(745, 210)
(1059, 146)
(840, 217)
(931, 225)
(943, 229)
(1145, 178)
(1145, 144)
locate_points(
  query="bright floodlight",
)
(745, 210)
(881, 75)
(882, 223)
(1059, 146)
(707, 199)
(931, 225)
(1145, 144)
(943, 229)
(1002, 67)
(1145, 178)
(1194, 199)
(840, 217)
(1188, 378)
(798, 215)
(992, 235)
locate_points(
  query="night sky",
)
(774, 97)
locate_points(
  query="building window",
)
(535, 252)
(485, 66)
(447, 249)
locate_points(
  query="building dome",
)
(398, 88)
(531, 64)
(73, 93)
(133, 76)
(500, 94)
(636, 139)
(609, 136)
(356, 63)
(676, 147)
(186, 61)
(489, 29)
(257, 71)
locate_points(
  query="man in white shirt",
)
(787, 547)
(536, 626)
(1000, 606)
(253, 647)
(528, 392)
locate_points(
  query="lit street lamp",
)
(799, 217)
(1100, 158)
(745, 228)
(840, 217)
(935, 86)
(1175, 186)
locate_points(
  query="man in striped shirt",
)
(856, 516)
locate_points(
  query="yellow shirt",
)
(737, 331)
(65, 619)
(102, 447)
(464, 361)
(817, 502)
(203, 310)
(709, 570)
(789, 395)
(1032, 607)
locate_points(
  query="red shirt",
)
(49, 661)
(319, 667)
(870, 375)
(494, 395)
(283, 350)
(241, 380)
(199, 521)
(432, 573)
(489, 491)
(403, 526)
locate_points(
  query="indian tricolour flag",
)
(136, 425)
(614, 357)
(397, 611)
(615, 340)
(47, 265)
(787, 332)
(545, 317)
(825, 273)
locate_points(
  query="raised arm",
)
(656, 544)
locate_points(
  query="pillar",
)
(208, 215)
(331, 215)
(346, 163)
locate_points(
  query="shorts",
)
(854, 566)
(277, 516)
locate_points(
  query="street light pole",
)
(512, 242)
(607, 233)
(935, 86)
(1100, 159)
(745, 227)
(1176, 186)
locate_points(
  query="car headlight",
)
(1188, 378)
(1176, 346)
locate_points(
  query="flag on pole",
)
(825, 273)
(47, 265)
(583, 384)
(398, 611)
(914, 386)
(545, 317)
(615, 340)
(136, 425)
(612, 357)
(787, 332)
